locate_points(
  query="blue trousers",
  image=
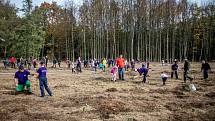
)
(44, 84)
(121, 72)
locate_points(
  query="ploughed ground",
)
(90, 96)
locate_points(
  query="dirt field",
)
(91, 96)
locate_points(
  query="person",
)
(34, 62)
(174, 69)
(18, 62)
(21, 80)
(164, 77)
(109, 62)
(186, 70)
(113, 72)
(41, 73)
(162, 62)
(29, 62)
(95, 65)
(205, 67)
(68, 62)
(54, 62)
(58, 61)
(147, 64)
(113, 62)
(100, 65)
(133, 64)
(73, 67)
(47, 59)
(126, 65)
(43, 59)
(12, 61)
(85, 63)
(79, 64)
(120, 62)
(22, 61)
(5, 62)
(166, 61)
(143, 71)
(104, 62)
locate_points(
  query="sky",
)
(18, 3)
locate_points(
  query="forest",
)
(146, 30)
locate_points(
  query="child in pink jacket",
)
(114, 72)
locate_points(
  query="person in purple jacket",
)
(43, 80)
(143, 71)
(21, 80)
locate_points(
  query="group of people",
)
(21, 80)
(30, 63)
(143, 71)
(119, 65)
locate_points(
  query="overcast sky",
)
(18, 3)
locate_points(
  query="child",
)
(100, 65)
(68, 63)
(104, 62)
(41, 72)
(73, 67)
(113, 72)
(54, 62)
(59, 61)
(133, 65)
(164, 77)
(143, 71)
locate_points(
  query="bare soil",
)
(91, 96)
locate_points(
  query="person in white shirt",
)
(164, 77)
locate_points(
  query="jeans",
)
(121, 72)
(43, 83)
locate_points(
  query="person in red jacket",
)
(120, 62)
(12, 61)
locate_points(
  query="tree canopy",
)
(147, 30)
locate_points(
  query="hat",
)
(21, 67)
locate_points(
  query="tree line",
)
(147, 30)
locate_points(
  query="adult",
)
(205, 68)
(47, 59)
(21, 80)
(12, 61)
(174, 69)
(144, 71)
(79, 64)
(120, 62)
(186, 71)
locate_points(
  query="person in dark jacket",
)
(143, 71)
(174, 70)
(186, 70)
(205, 68)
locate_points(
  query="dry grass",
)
(92, 96)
